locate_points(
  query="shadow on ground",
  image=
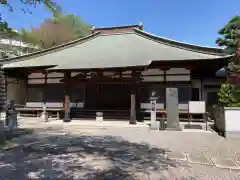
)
(83, 157)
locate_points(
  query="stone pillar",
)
(67, 118)
(133, 109)
(172, 109)
(153, 101)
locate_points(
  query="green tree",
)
(230, 33)
(78, 27)
(56, 31)
(229, 94)
(51, 5)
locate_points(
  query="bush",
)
(229, 96)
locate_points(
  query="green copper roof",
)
(127, 49)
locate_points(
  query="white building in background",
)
(10, 47)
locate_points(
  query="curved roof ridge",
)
(118, 27)
(117, 33)
(48, 50)
(183, 45)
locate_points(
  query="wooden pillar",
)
(138, 99)
(6, 88)
(67, 76)
(165, 85)
(26, 89)
(191, 83)
(45, 88)
(135, 102)
(201, 90)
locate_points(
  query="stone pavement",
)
(67, 151)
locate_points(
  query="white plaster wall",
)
(172, 74)
(48, 104)
(55, 80)
(36, 75)
(127, 72)
(74, 74)
(178, 71)
(152, 78)
(34, 104)
(36, 81)
(54, 74)
(153, 72)
(232, 119)
(178, 78)
(54, 104)
(158, 75)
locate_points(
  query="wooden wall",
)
(2, 90)
(173, 77)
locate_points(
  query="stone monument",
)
(11, 116)
(172, 109)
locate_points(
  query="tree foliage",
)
(229, 94)
(51, 5)
(77, 26)
(230, 33)
(56, 31)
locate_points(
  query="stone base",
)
(173, 129)
(155, 126)
(67, 119)
(132, 122)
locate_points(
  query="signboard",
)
(197, 107)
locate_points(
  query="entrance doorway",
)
(107, 97)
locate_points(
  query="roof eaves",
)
(49, 50)
(181, 45)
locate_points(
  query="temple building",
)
(114, 70)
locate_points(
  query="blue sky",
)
(191, 21)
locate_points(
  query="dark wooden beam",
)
(164, 84)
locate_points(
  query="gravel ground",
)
(64, 152)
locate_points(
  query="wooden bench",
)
(163, 115)
(36, 111)
(163, 112)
